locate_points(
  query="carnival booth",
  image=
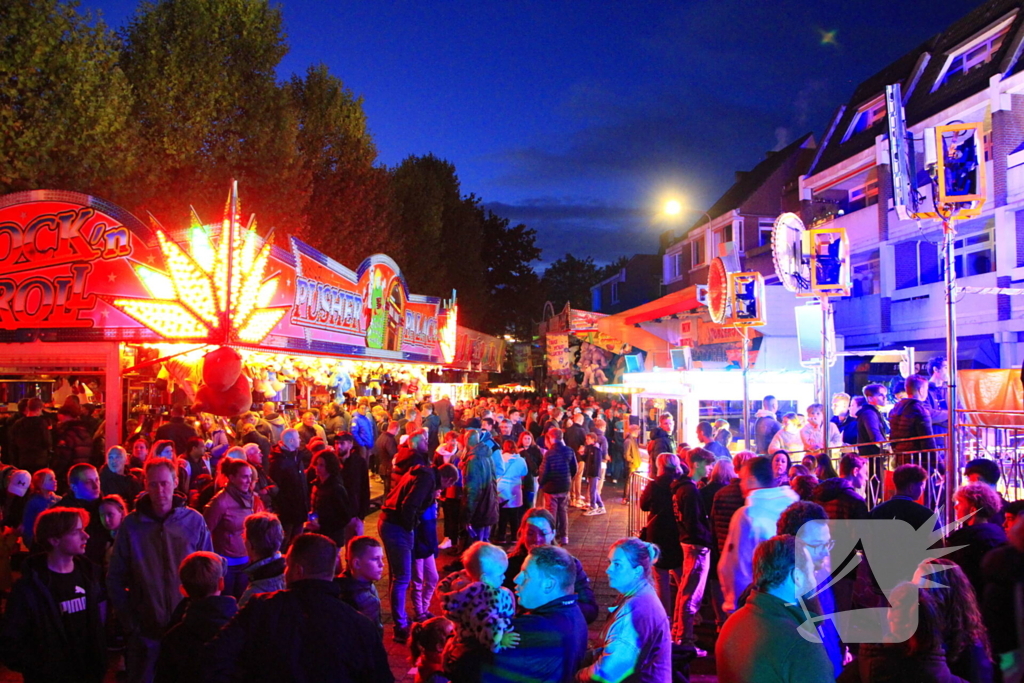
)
(212, 315)
(693, 396)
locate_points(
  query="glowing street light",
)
(673, 207)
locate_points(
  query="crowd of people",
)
(208, 549)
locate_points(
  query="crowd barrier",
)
(992, 434)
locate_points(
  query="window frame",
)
(871, 112)
(998, 31)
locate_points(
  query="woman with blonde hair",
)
(636, 645)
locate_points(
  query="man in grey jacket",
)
(143, 577)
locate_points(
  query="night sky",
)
(580, 118)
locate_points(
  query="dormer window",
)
(867, 116)
(976, 52)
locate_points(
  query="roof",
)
(751, 180)
(917, 71)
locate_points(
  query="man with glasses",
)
(808, 522)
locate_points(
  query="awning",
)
(677, 302)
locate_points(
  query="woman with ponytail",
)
(636, 644)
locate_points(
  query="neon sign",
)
(47, 258)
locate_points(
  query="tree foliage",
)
(569, 279)
(209, 109)
(350, 214)
(64, 103)
(185, 98)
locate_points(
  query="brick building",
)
(969, 73)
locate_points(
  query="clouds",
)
(602, 231)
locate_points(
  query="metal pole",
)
(825, 405)
(746, 395)
(230, 237)
(952, 454)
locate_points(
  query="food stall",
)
(214, 315)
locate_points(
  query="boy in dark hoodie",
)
(52, 629)
(198, 618)
(364, 566)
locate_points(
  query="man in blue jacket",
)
(552, 631)
(362, 430)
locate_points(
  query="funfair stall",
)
(214, 315)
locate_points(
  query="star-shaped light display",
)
(215, 291)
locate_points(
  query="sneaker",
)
(423, 617)
(445, 544)
(591, 512)
(601, 511)
(401, 635)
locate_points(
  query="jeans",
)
(668, 582)
(398, 549)
(235, 581)
(140, 657)
(424, 582)
(558, 505)
(596, 484)
(717, 600)
(696, 563)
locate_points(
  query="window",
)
(973, 255)
(867, 116)
(764, 231)
(615, 292)
(917, 263)
(863, 195)
(674, 265)
(976, 53)
(697, 258)
(724, 234)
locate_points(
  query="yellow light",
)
(158, 284)
(167, 318)
(260, 325)
(190, 299)
(673, 207)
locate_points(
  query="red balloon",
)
(235, 401)
(221, 368)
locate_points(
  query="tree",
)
(613, 268)
(209, 110)
(65, 106)
(512, 283)
(442, 234)
(570, 279)
(351, 212)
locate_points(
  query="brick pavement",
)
(589, 540)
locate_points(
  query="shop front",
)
(211, 315)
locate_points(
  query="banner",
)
(559, 358)
(521, 358)
(710, 333)
(81, 269)
(478, 352)
(583, 321)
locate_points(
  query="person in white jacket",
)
(510, 492)
(753, 523)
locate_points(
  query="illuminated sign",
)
(86, 270)
(50, 251)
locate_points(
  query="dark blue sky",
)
(579, 117)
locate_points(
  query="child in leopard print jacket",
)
(477, 604)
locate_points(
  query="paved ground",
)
(589, 540)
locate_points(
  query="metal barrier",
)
(991, 434)
(1001, 443)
